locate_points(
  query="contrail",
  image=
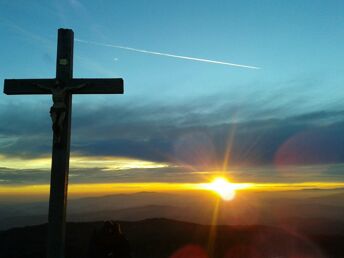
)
(166, 54)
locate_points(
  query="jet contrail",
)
(166, 54)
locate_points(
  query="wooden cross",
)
(61, 89)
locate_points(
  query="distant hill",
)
(246, 209)
(162, 238)
(333, 199)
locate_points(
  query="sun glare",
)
(222, 187)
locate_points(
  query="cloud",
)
(255, 142)
(263, 174)
(23, 176)
(300, 147)
(183, 135)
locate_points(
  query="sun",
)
(222, 187)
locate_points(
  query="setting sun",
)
(222, 187)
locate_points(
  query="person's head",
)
(116, 226)
(112, 227)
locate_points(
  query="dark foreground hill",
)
(162, 238)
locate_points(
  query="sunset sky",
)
(180, 121)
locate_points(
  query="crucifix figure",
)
(62, 88)
(59, 108)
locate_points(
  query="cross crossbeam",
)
(41, 86)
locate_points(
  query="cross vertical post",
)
(60, 152)
(61, 88)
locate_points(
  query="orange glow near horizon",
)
(76, 190)
(108, 164)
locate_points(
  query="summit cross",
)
(62, 88)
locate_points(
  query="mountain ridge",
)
(163, 238)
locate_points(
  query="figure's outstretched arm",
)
(75, 87)
(42, 86)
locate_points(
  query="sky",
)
(180, 120)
